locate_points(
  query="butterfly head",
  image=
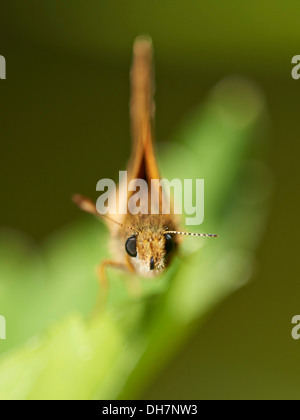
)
(150, 250)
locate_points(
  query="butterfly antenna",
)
(87, 205)
(175, 232)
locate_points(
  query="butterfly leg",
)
(103, 281)
(131, 284)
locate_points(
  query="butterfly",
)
(141, 243)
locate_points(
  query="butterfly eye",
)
(169, 245)
(130, 246)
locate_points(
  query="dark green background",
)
(64, 125)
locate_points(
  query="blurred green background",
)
(64, 125)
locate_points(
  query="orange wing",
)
(142, 109)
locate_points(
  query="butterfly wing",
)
(142, 109)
